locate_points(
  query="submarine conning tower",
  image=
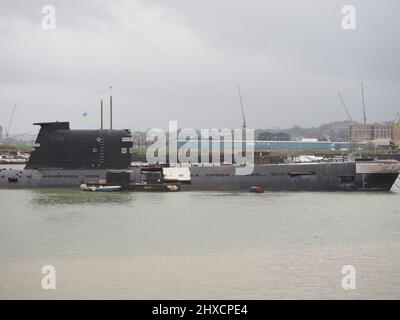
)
(57, 146)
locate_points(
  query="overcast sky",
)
(182, 59)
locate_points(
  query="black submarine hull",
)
(346, 176)
(294, 177)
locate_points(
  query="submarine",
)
(63, 157)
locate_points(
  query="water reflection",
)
(55, 197)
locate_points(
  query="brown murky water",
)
(195, 245)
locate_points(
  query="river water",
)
(198, 245)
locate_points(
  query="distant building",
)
(269, 136)
(366, 132)
(309, 140)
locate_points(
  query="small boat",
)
(99, 188)
(256, 189)
(172, 188)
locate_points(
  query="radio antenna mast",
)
(101, 111)
(111, 110)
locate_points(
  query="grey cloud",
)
(182, 59)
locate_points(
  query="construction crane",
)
(363, 102)
(11, 120)
(345, 107)
(244, 125)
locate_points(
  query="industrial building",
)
(367, 132)
(279, 145)
(269, 136)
